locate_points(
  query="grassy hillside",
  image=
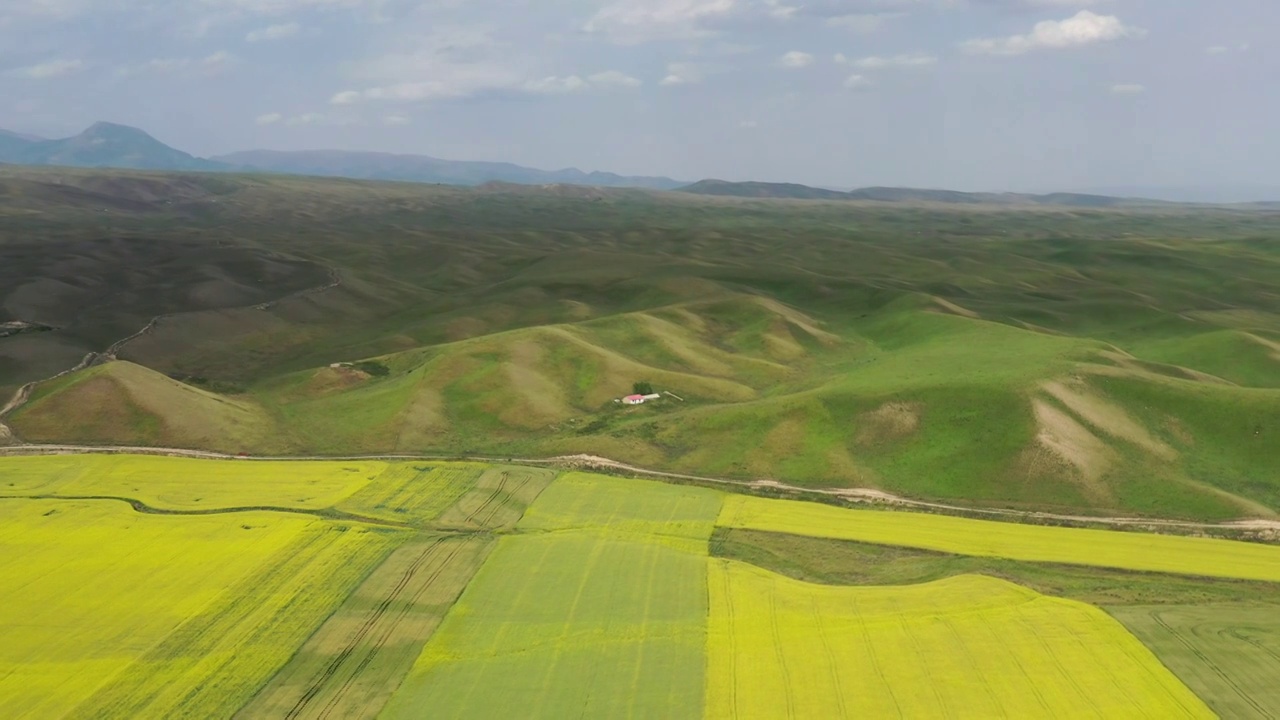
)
(123, 403)
(1082, 359)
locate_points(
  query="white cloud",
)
(286, 7)
(863, 23)
(1224, 49)
(795, 59)
(450, 62)
(876, 62)
(218, 61)
(46, 70)
(749, 124)
(467, 81)
(155, 65)
(273, 32)
(856, 82)
(268, 119)
(1084, 28)
(683, 73)
(638, 21)
(779, 11)
(613, 78)
(346, 97)
(1128, 89)
(396, 120)
(305, 119)
(555, 85)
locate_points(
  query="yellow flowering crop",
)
(963, 647)
(962, 536)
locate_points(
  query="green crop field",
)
(1229, 653)
(596, 608)
(350, 666)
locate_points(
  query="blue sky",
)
(967, 94)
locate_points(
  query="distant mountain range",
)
(887, 194)
(110, 145)
(421, 168)
(120, 146)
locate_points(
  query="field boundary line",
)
(145, 509)
(595, 462)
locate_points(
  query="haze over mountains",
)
(119, 146)
(112, 145)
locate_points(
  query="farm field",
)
(353, 663)
(171, 483)
(1229, 653)
(239, 573)
(596, 607)
(1204, 619)
(1130, 551)
(469, 590)
(967, 646)
(108, 613)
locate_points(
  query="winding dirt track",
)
(142, 507)
(112, 353)
(863, 495)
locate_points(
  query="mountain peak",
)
(116, 131)
(104, 144)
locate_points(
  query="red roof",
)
(633, 397)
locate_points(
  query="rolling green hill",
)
(1098, 360)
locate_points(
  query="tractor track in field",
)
(1263, 527)
(370, 623)
(23, 394)
(145, 509)
(381, 641)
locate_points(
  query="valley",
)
(325, 447)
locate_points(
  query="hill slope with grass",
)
(1111, 361)
(123, 403)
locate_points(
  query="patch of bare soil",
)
(1065, 442)
(334, 379)
(951, 308)
(1270, 344)
(889, 422)
(1107, 417)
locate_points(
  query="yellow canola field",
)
(172, 483)
(1102, 548)
(90, 587)
(964, 647)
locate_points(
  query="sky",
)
(1024, 95)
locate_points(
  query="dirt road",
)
(1264, 528)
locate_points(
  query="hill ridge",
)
(795, 191)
